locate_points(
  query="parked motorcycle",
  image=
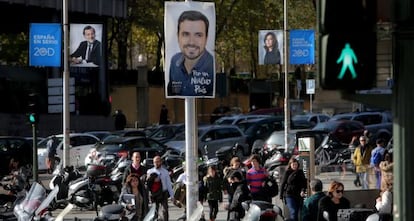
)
(34, 205)
(118, 212)
(332, 152)
(62, 178)
(262, 211)
(96, 188)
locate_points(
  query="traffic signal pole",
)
(35, 160)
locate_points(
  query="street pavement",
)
(175, 212)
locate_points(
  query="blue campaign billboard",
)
(45, 44)
(302, 47)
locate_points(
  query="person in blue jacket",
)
(192, 69)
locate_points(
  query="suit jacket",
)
(95, 55)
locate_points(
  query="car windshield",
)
(224, 121)
(300, 117)
(325, 126)
(244, 126)
(111, 147)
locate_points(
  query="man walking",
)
(310, 206)
(161, 205)
(135, 167)
(361, 158)
(377, 155)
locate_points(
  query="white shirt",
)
(165, 179)
(385, 205)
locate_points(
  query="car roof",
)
(123, 139)
(264, 119)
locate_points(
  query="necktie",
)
(88, 52)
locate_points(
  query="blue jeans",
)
(293, 204)
(363, 177)
(378, 177)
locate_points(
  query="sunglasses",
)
(339, 191)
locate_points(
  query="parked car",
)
(342, 130)
(126, 133)
(235, 119)
(214, 137)
(379, 124)
(17, 148)
(260, 128)
(267, 111)
(313, 118)
(101, 134)
(80, 145)
(166, 132)
(114, 147)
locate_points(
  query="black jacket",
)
(293, 182)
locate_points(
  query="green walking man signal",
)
(347, 58)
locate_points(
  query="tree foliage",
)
(142, 32)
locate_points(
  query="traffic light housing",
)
(33, 109)
(32, 118)
(347, 44)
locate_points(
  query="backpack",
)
(270, 188)
(155, 188)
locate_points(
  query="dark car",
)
(342, 130)
(166, 132)
(260, 128)
(112, 148)
(214, 137)
(14, 147)
(379, 124)
(126, 133)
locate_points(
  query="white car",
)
(80, 145)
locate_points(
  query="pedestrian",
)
(293, 188)
(333, 202)
(377, 155)
(255, 177)
(164, 182)
(133, 185)
(361, 158)
(214, 185)
(384, 203)
(120, 120)
(164, 115)
(235, 165)
(51, 147)
(135, 167)
(241, 193)
(310, 206)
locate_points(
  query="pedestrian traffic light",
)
(32, 109)
(347, 44)
(32, 117)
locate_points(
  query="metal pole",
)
(310, 102)
(66, 116)
(35, 160)
(286, 103)
(191, 155)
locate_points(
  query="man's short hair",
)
(192, 16)
(316, 185)
(380, 141)
(88, 27)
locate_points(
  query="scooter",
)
(261, 211)
(118, 212)
(34, 205)
(62, 177)
(96, 188)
